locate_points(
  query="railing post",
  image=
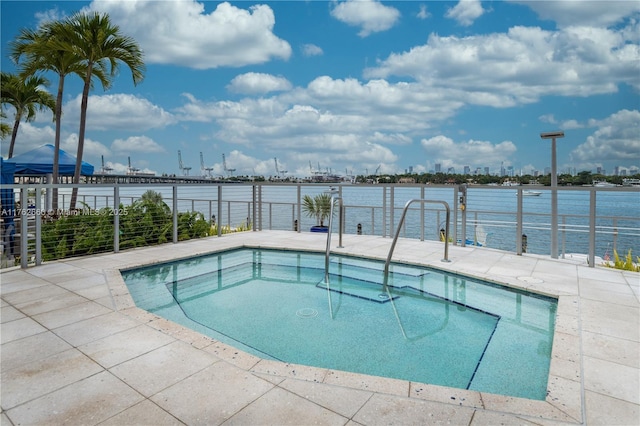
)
(592, 228)
(24, 219)
(384, 211)
(175, 213)
(116, 219)
(299, 203)
(254, 201)
(38, 230)
(219, 210)
(519, 224)
(422, 214)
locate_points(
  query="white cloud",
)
(442, 149)
(520, 66)
(118, 111)
(615, 139)
(312, 50)
(465, 12)
(91, 148)
(370, 15)
(591, 13)
(179, 32)
(136, 144)
(258, 83)
(423, 13)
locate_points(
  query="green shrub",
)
(625, 264)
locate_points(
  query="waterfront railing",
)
(592, 222)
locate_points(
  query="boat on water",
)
(603, 184)
(529, 193)
(631, 182)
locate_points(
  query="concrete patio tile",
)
(565, 395)
(143, 413)
(95, 328)
(389, 409)
(278, 407)
(9, 313)
(344, 401)
(87, 402)
(601, 346)
(525, 407)
(612, 379)
(483, 418)
(294, 371)
(31, 349)
(454, 396)
(13, 276)
(368, 383)
(232, 355)
(162, 367)
(52, 268)
(212, 395)
(95, 293)
(88, 279)
(33, 380)
(31, 294)
(125, 345)
(611, 319)
(71, 313)
(73, 274)
(19, 328)
(605, 410)
(64, 299)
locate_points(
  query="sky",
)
(295, 88)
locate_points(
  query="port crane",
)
(205, 171)
(131, 170)
(224, 165)
(105, 169)
(184, 169)
(278, 171)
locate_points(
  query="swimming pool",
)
(434, 328)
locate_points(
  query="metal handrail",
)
(328, 249)
(395, 238)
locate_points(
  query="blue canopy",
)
(39, 161)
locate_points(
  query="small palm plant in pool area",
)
(318, 207)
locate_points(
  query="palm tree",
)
(5, 129)
(318, 207)
(100, 46)
(45, 50)
(25, 96)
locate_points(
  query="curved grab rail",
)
(328, 249)
(395, 238)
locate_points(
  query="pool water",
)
(428, 327)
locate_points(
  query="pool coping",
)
(565, 398)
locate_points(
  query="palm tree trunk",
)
(81, 132)
(56, 151)
(14, 133)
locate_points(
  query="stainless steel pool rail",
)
(334, 196)
(395, 238)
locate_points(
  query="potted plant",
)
(318, 207)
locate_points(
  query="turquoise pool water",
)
(431, 327)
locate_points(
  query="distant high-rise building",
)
(510, 171)
(438, 167)
(451, 170)
(410, 169)
(599, 170)
(486, 171)
(616, 171)
(467, 170)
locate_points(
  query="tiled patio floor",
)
(75, 350)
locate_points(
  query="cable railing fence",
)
(592, 222)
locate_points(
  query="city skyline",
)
(297, 88)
